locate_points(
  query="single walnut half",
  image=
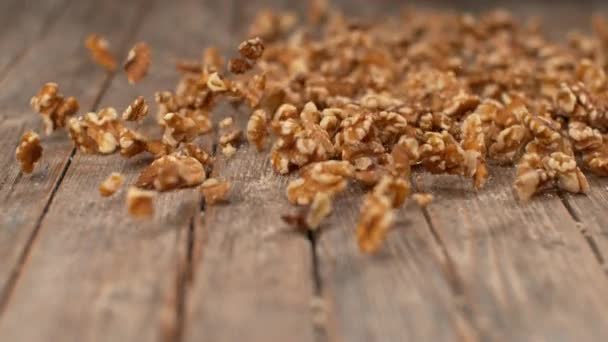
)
(329, 176)
(136, 111)
(171, 172)
(252, 48)
(54, 109)
(99, 48)
(111, 184)
(140, 203)
(256, 129)
(96, 132)
(138, 62)
(215, 191)
(319, 209)
(375, 220)
(29, 151)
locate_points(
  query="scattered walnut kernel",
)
(320, 208)
(54, 109)
(171, 172)
(138, 62)
(136, 111)
(228, 150)
(375, 220)
(226, 122)
(216, 84)
(140, 203)
(98, 46)
(111, 184)
(215, 191)
(329, 176)
(256, 129)
(29, 151)
(422, 199)
(252, 48)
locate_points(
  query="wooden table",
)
(75, 267)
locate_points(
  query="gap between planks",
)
(18, 269)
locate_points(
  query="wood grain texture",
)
(22, 24)
(401, 293)
(253, 277)
(127, 272)
(525, 269)
(23, 197)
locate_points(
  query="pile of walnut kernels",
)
(338, 100)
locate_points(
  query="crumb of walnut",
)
(29, 151)
(319, 209)
(474, 145)
(215, 191)
(138, 62)
(228, 150)
(375, 219)
(111, 184)
(171, 172)
(140, 203)
(232, 136)
(226, 122)
(422, 199)
(99, 48)
(329, 176)
(252, 48)
(256, 129)
(216, 83)
(53, 107)
(136, 111)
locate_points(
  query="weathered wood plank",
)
(22, 24)
(128, 272)
(23, 197)
(253, 279)
(399, 294)
(527, 271)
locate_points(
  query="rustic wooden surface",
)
(473, 266)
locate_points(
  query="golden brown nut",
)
(111, 184)
(99, 48)
(215, 191)
(136, 111)
(29, 151)
(140, 203)
(138, 62)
